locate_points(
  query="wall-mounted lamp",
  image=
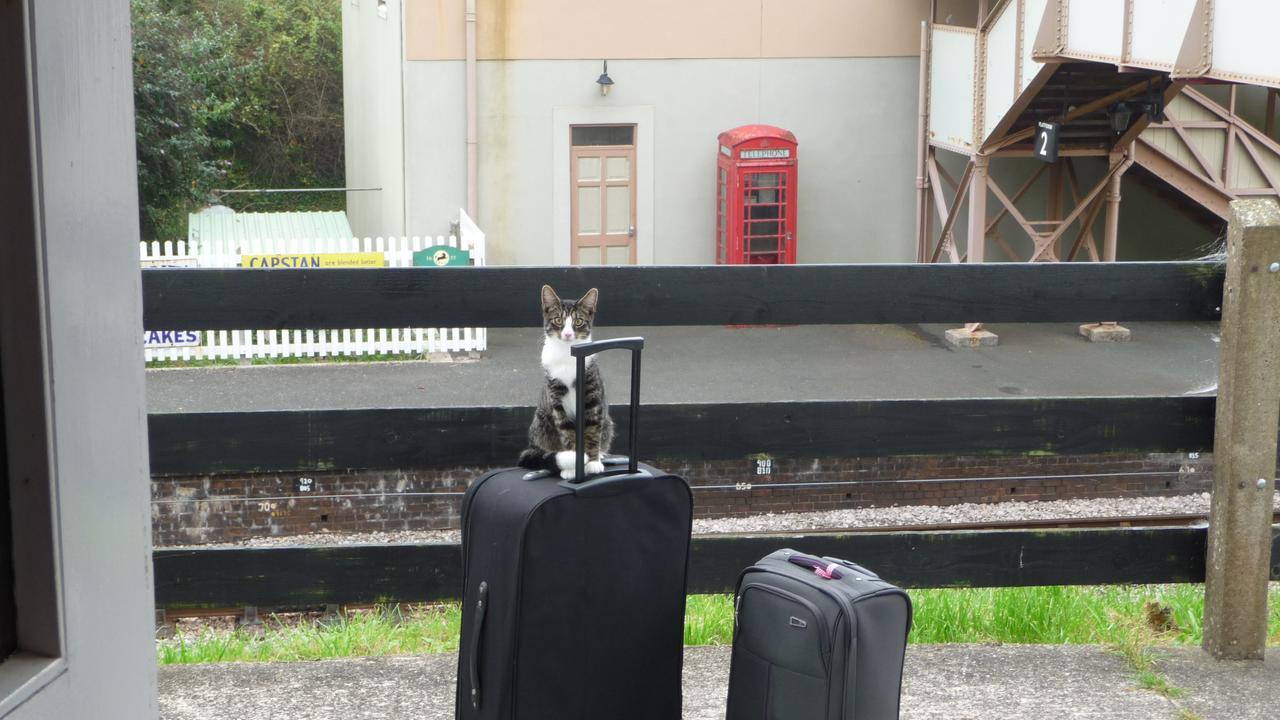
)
(1120, 114)
(604, 81)
(1150, 104)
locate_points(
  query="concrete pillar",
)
(1238, 564)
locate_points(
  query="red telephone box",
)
(756, 196)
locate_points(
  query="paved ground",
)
(951, 682)
(683, 364)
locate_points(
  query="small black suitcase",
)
(816, 639)
(574, 593)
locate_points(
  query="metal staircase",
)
(1100, 69)
(1209, 153)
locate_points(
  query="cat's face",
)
(568, 320)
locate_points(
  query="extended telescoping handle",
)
(582, 352)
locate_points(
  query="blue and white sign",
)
(170, 338)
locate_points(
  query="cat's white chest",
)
(562, 366)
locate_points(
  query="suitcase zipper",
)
(476, 634)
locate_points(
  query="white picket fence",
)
(184, 344)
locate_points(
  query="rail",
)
(1088, 551)
(191, 580)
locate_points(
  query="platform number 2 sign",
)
(1046, 146)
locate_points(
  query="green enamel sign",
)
(441, 256)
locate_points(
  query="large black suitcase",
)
(816, 639)
(573, 604)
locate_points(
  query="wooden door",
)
(602, 198)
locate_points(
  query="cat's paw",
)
(595, 467)
(566, 460)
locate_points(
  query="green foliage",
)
(184, 78)
(378, 633)
(235, 93)
(292, 117)
(708, 620)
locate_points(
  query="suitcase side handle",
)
(582, 352)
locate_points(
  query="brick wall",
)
(223, 508)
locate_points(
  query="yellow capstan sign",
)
(314, 260)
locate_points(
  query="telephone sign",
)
(1046, 145)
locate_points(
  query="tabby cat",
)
(552, 437)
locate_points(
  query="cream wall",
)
(373, 106)
(854, 119)
(667, 29)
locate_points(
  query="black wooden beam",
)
(312, 576)
(229, 299)
(197, 443)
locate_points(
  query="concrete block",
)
(1105, 332)
(962, 337)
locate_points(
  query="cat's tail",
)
(538, 459)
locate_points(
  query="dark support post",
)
(1248, 412)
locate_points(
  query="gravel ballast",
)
(886, 517)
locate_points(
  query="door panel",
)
(618, 202)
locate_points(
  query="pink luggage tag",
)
(826, 571)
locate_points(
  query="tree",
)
(184, 80)
(235, 93)
(293, 117)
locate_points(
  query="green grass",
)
(708, 620)
(1112, 616)
(1061, 615)
(353, 635)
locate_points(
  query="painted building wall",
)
(841, 75)
(373, 106)
(855, 134)
(667, 29)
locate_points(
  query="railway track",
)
(1166, 520)
(1170, 520)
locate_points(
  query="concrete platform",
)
(951, 682)
(715, 364)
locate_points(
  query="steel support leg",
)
(972, 334)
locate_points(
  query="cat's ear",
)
(588, 302)
(549, 298)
